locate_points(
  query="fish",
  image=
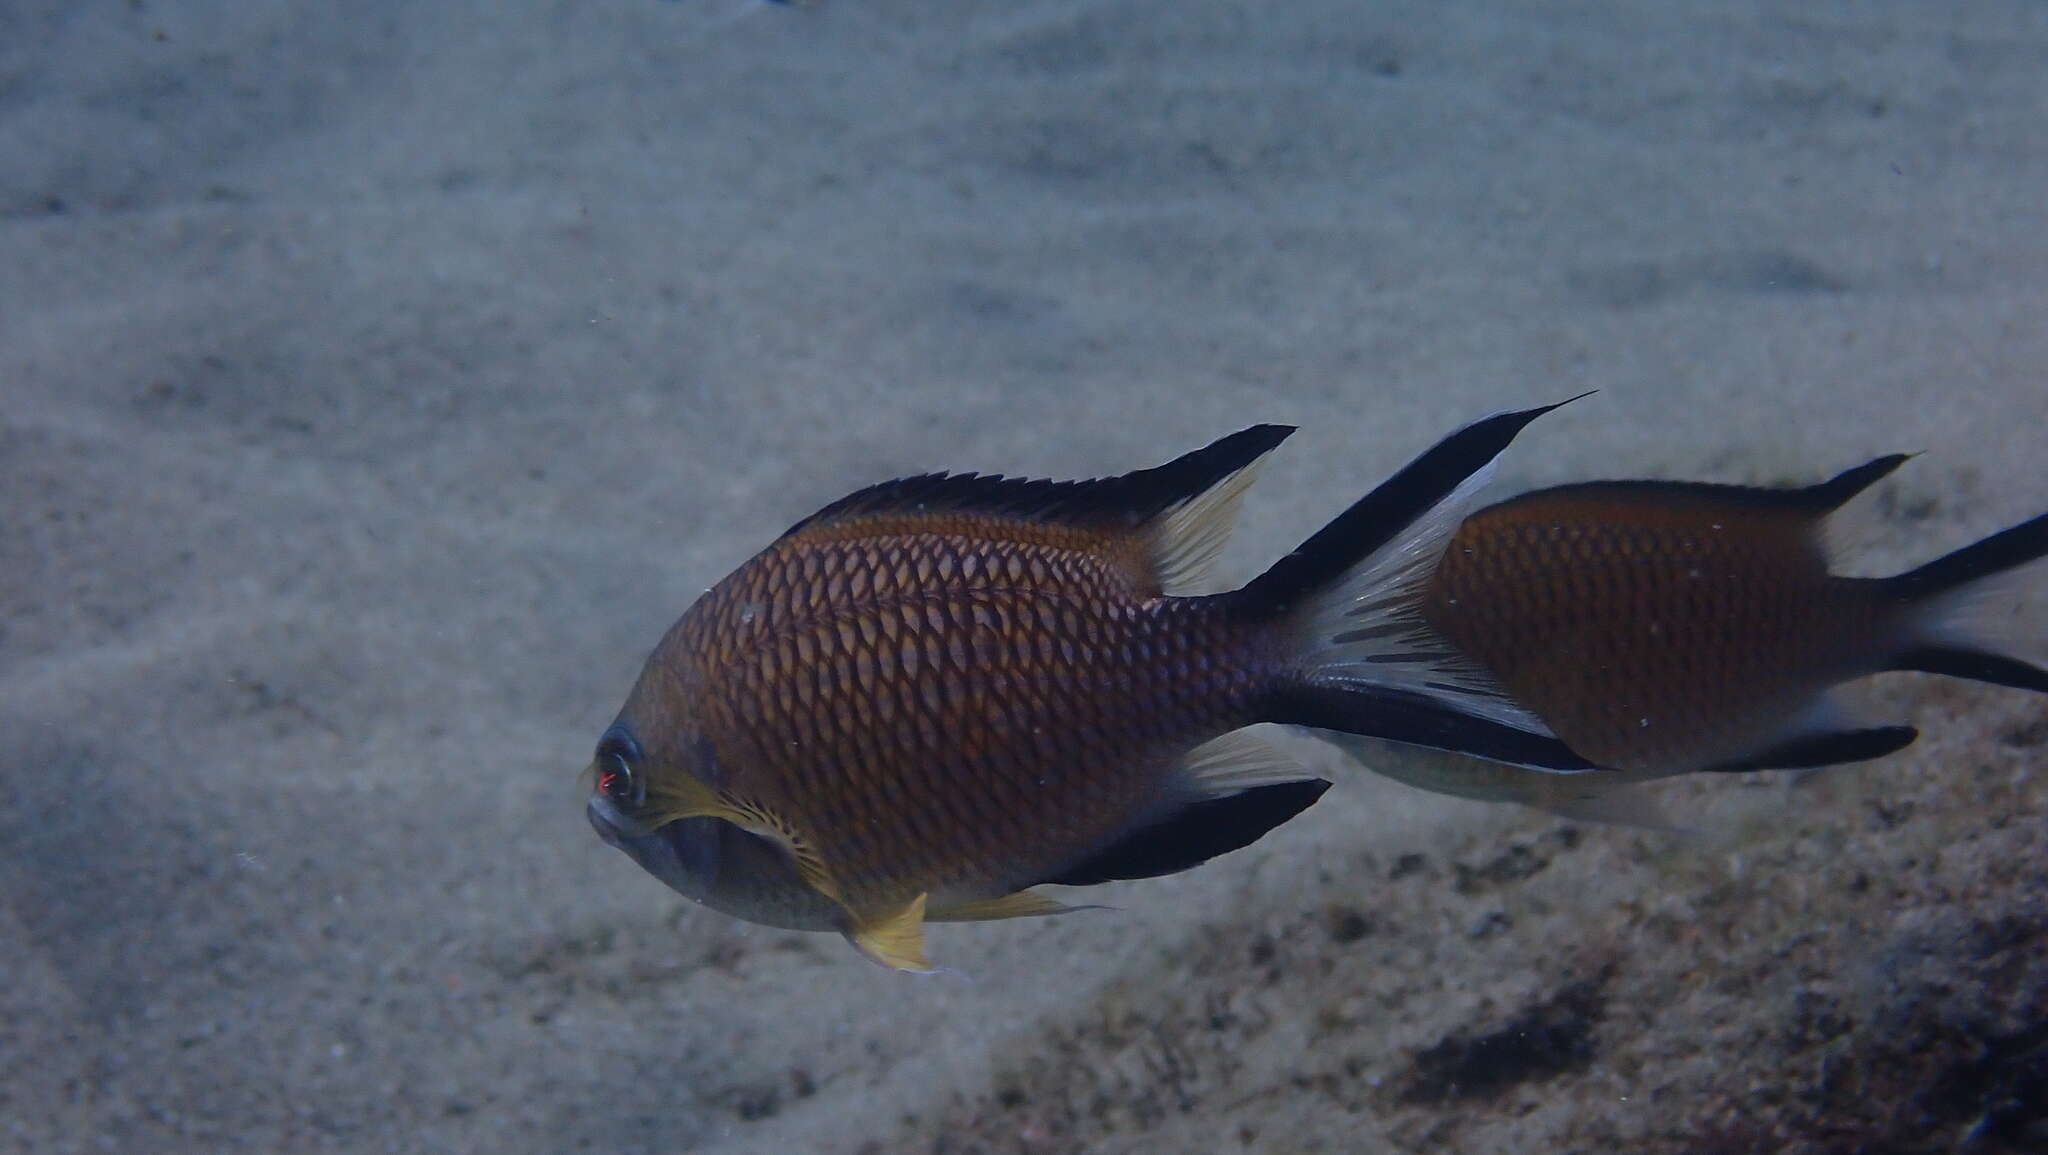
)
(1662, 628)
(940, 693)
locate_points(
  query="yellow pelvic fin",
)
(896, 941)
(686, 797)
(1022, 904)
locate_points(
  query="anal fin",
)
(1825, 748)
(1021, 904)
(895, 941)
(1197, 832)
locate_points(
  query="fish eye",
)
(617, 779)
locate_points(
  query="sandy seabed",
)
(381, 379)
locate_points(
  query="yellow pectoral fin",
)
(896, 941)
(675, 796)
(685, 797)
(1022, 904)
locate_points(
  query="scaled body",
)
(1660, 628)
(1657, 627)
(913, 677)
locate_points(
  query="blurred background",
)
(380, 380)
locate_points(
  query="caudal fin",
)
(1943, 640)
(1350, 600)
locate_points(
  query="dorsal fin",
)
(1836, 491)
(1191, 500)
(1813, 500)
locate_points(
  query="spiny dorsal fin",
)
(1811, 500)
(1836, 491)
(1189, 503)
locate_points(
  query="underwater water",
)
(381, 380)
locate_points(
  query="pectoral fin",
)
(896, 941)
(685, 797)
(1022, 904)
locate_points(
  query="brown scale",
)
(959, 700)
(1651, 627)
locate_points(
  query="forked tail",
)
(1942, 640)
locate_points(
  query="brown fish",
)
(1661, 628)
(940, 692)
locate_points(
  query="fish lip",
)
(605, 819)
(683, 854)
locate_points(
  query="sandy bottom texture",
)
(378, 381)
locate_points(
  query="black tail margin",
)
(1976, 665)
(2002, 551)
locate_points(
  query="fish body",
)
(940, 692)
(1661, 628)
(913, 673)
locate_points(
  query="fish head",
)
(634, 798)
(627, 779)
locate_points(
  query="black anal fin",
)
(1976, 665)
(1830, 748)
(1195, 834)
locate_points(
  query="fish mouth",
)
(683, 854)
(607, 821)
(616, 824)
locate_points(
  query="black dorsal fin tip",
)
(1815, 500)
(1836, 491)
(1129, 500)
